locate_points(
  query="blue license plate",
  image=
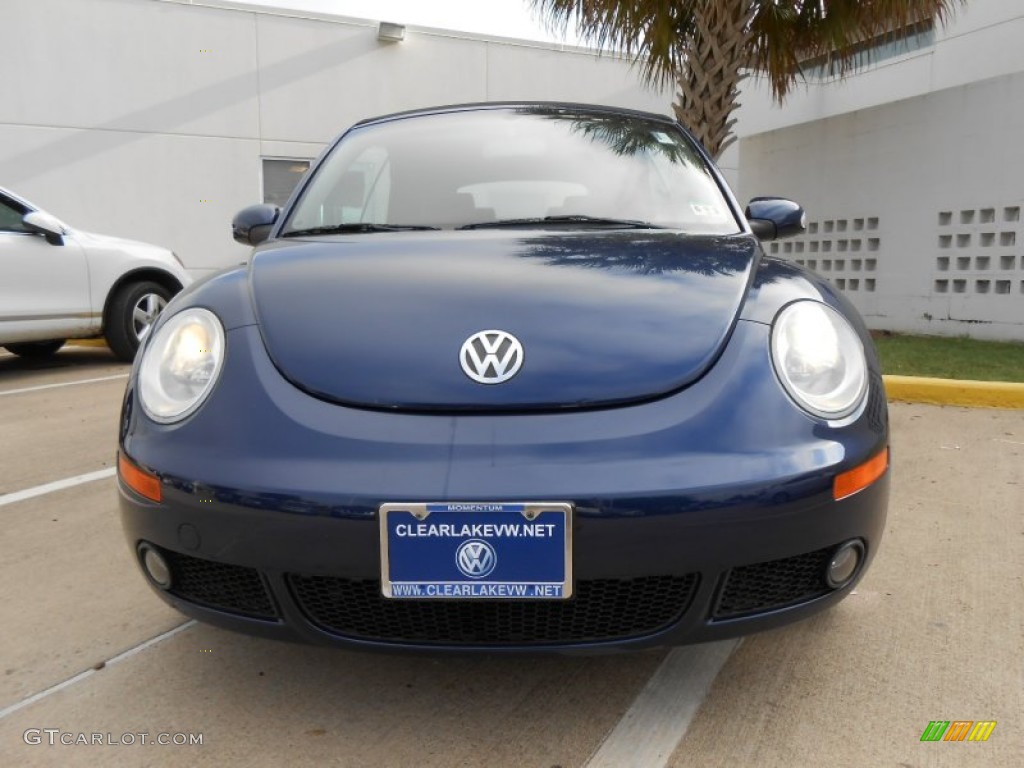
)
(457, 551)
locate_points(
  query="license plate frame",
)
(519, 551)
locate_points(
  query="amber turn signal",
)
(140, 481)
(861, 476)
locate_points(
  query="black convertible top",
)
(481, 105)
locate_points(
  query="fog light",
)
(156, 566)
(845, 564)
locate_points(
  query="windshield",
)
(527, 166)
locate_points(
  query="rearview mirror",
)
(252, 225)
(772, 218)
(44, 224)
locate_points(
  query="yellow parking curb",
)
(983, 394)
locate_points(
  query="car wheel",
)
(35, 348)
(132, 314)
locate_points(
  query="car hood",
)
(379, 320)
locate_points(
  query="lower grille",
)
(232, 588)
(773, 584)
(602, 609)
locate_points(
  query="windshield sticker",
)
(706, 211)
(663, 138)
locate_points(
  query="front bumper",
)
(657, 579)
(700, 516)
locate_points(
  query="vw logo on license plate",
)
(476, 558)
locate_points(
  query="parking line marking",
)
(61, 384)
(56, 485)
(10, 710)
(658, 719)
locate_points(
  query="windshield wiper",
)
(341, 229)
(570, 219)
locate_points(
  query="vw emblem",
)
(491, 357)
(476, 558)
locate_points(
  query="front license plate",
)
(456, 551)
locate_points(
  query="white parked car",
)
(59, 283)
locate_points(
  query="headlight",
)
(180, 365)
(819, 359)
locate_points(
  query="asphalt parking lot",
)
(934, 632)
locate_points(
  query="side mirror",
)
(252, 225)
(772, 218)
(44, 224)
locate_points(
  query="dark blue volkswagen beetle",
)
(507, 376)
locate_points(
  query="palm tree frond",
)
(707, 46)
(654, 33)
(784, 34)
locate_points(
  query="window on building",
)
(280, 175)
(913, 37)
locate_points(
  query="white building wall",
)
(148, 118)
(915, 168)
